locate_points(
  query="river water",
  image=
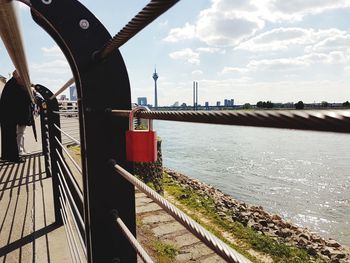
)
(303, 176)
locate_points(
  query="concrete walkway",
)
(27, 229)
(167, 230)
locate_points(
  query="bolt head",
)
(84, 24)
(46, 2)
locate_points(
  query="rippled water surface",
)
(302, 175)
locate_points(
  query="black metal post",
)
(48, 120)
(100, 86)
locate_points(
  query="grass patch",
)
(160, 251)
(246, 236)
(165, 250)
(75, 150)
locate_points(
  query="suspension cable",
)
(70, 137)
(11, 36)
(70, 230)
(133, 241)
(81, 240)
(69, 156)
(71, 178)
(320, 120)
(209, 239)
(64, 87)
(148, 14)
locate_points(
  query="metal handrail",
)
(82, 244)
(64, 183)
(69, 156)
(70, 137)
(222, 249)
(133, 241)
(320, 120)
(70, 230)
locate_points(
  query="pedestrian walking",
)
(15, 115)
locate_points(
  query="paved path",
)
(167, 230)
(27, 229)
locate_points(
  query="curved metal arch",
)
(100, 86)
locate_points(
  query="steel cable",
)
(63, 184)
(69, 156)
(11, 36)
(70, 230)
(82, 244)
(72, 254)
(133, 241)
(76, 187)
(316, 120)
(70, 137)
(209, 239)
(149, 13)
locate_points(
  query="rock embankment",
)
(268, 224)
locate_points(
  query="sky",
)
(246, 50)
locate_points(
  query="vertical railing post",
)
(100, 86)
(49, 132)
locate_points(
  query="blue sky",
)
(278, 50)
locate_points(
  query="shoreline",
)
(268, 224)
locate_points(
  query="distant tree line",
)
(264, 104)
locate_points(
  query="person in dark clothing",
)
(15, 110)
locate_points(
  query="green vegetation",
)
(247, 106)
(164, 249)
(299, 105)
(346, 104)
(162, 252)
(75, 149)
(264, 104)
(199, 206)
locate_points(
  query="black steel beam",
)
(100, 86)
(48, 131)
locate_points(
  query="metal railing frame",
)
(100, 87)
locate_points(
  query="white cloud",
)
(209, 49)
(53, 51)
(52, 67)
(297, 9)
(163, 23)
(277, 39)
(186, 54)
(197, 72)
(177, 34)
(228, 23)
(234, 70)
(290, 64)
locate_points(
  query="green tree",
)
(269, 104)
(346, 104)
(247, 106)
(299, 105)
(324, 104)
(259, 104)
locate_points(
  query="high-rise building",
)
(155, 77)
(142, 101)
(218, 103)
(228, 102)
(73, 93)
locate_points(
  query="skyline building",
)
(73, 93)
(155, 77)
(142, 101)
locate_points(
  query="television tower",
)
(155, 77)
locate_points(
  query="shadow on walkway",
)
(27, 227)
